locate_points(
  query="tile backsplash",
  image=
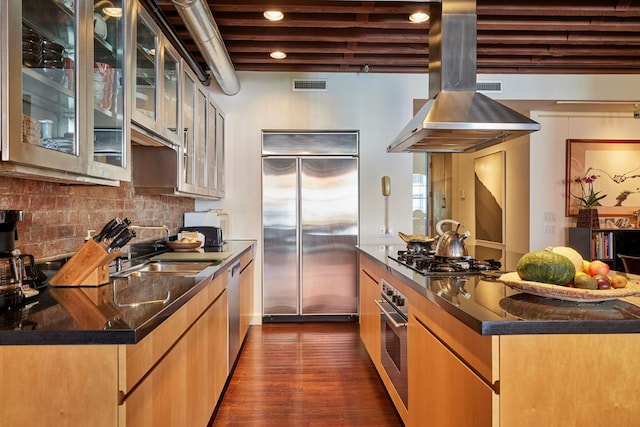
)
(58, 216)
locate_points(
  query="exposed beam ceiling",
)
(517, 36)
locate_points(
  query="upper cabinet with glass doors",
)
(110, 121)
(156, 73)
(215, 151)
(64, 93)
(202, 151)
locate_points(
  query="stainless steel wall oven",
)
(393, 324)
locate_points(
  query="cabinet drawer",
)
(141, 357)
(476, 350)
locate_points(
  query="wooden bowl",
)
(183, 247)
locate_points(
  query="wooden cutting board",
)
(192, 256)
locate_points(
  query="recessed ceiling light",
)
(278, 55)
(419, 17)
(273, 15)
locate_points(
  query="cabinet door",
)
(146, 66)
(211, 149)
(370, 315)
(443, 391)
(201, 140)
(42, 86)
(170, 93)
(183, 389)
(220, 166)
(187, 168)
(215, 151)
(110, 152)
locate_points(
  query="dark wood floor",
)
(305, 374)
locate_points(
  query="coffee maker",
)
(11, 262)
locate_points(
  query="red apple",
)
(598, 267)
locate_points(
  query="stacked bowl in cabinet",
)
(43, 54)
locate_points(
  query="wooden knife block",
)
(88, 267)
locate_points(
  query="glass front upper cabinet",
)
(157, 76)
(170, 93)
(47, 82)
(146, 71)
(65, 89)
(187, 149)
(109, 84)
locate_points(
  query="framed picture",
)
(489, 197)
(609, 168)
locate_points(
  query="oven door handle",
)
(388, 316)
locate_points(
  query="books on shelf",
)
(602, 245)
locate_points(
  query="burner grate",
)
(430, 264)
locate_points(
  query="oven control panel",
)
(396, 298)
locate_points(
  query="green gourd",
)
(546, 267)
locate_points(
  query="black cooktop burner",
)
(427, 264)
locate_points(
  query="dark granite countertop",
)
(492, 308)
(122, 311)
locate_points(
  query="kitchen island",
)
(137, 351)
(480, 353)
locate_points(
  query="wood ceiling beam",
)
(390, 49)
(514, 36)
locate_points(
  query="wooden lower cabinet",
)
(569, 380)
(443, 391)
(370, 315)
(59, 386)
(172, 377)
(186, 383)
(459, 378)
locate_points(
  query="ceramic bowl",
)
(179, 246)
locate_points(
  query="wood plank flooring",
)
(305, 375)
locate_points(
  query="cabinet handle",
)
(388, 316)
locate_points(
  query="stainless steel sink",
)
(166, 268)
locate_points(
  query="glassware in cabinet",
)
(49, 98)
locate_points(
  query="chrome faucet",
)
(151, 227)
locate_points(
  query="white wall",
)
(379, 105)
(548, 164)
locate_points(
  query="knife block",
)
(88, 267)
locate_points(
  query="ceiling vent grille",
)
(305, 85)
(489, 87)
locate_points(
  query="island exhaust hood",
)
(457, 118)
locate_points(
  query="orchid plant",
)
(590, 198)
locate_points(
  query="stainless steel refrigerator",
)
(310, 225)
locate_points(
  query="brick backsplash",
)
(57, 216)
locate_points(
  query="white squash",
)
(572, 254)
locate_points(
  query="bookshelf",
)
(605, 244)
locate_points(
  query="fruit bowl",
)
(183, 246)
(566, 293)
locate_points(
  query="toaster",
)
(212, 235)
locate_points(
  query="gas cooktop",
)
(429, 264)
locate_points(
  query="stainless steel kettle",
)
(451, 243)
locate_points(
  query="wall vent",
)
(489, 87)
(306, 85)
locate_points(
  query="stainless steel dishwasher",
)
(233, 292)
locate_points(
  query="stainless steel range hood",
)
(457, 118)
